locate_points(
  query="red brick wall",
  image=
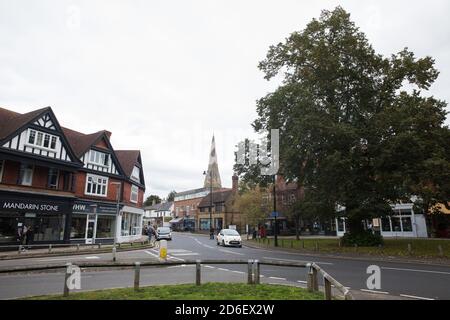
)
(10, 172)
(182, 204)
(80, 186)
(127, 195)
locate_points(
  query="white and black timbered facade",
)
(38, 169)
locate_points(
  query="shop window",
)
(105, 226)
(385, 224)
(8, 228)
(396, 227)
(406, 224)
(134, 194)
(2, 164)
(220, 207)
(52, 182)
(204, 224)
(78, 227)
(26, 175)
(96, 185)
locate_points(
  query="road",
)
(398, 279)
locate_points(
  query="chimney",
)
(235, 179)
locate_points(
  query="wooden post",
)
(315, 281)
(78, 247)
(66, 279)
(303, 244)
(292, 244)
(441, 252)
(137, 271)
(198, 275)
(327, 292)
(409, 248)
(20, 249)
(257, 272)
(317, 246)
(309, 280)
(114, 254)
(49, 248)
(250, 272)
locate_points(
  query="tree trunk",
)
(297, 227)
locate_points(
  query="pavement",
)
(399, 280)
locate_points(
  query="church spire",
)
(213, 168)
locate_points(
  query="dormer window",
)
(99, 158)
(41, 139)
(135, 175)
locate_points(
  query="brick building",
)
(65, 184)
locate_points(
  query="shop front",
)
(48, 217)
(93, 222)
(217, 221)
(131, 220)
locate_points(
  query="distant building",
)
(159, 213)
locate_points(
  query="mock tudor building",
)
(65, 184)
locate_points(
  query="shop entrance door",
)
(91, 228)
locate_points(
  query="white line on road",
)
(276, 278)
(175, 258)
(301, 281)
(210, 267)
(185, 254)
(222, 269)
(416, 270)
(374, 291)
(232, 252)
(415, 297)
(151, 253)
(235, 271)
(317, 262)
(206, 246)
(93, 257)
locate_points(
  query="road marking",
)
(185, 254)
(232, 252)
(58, 259)
(175, 258)
(151, 253)
(415, 297)
(301, 281)
(92, 257)
(205, 245)
(276, 278)
(317, 262)
(210, 267)
(177, 251)
(374, 291)
(235, 271)
(222, 269)
(416, 270)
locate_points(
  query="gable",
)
(102, 144)
(46, 122)
(93, 159)
(56, 148)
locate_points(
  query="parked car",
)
(229, 237)
(163, 233)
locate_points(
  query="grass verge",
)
(420, 248)
(207, 291)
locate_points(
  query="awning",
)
(176, 220)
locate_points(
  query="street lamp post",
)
(211, 233)
(275, 211)
(119, 191)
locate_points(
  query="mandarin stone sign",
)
(30, 206)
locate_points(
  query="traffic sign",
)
(274, 214)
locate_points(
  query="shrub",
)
(363, 239)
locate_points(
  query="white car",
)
(163, 233)
(229, 237)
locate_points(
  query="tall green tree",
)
(152, 199)
(354, 125)
(171, 195)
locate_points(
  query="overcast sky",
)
(162, 76)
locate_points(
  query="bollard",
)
(315, 282)
(137, 271)
(309, 280)
(409, 248)
(114, 253)
(198, 272)
(317, 246)
(163, 249)
(20, 249)
(66, 279)
(49, 248)
(327, 285)
(99, 245)
(356, 247)
(119, 245)
(78, 247)
(441, 252)
(250, 272)
(257, 272)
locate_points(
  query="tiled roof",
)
(217, 196)
(81, 142)
(127, 160)
(10, 121)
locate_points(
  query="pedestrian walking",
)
(29, 238)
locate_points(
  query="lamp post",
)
(211, 233)
(275, 211)
(119, 191)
